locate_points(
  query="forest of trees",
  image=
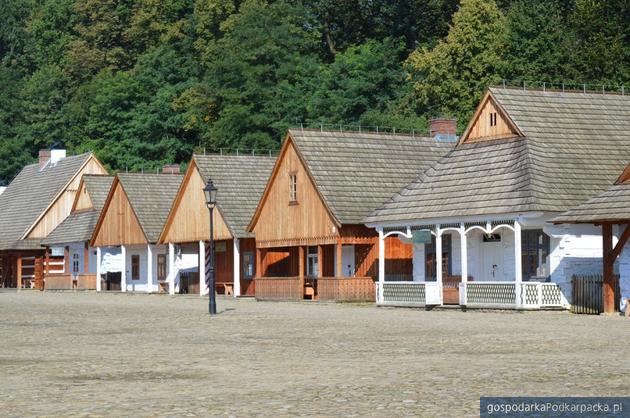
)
(145, 82)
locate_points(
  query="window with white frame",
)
(75, 263)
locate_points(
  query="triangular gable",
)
(188, 219)
(118, 223)
(61, 205)
(276, 219)
(625, 176)
(490, 121)
(82, 199)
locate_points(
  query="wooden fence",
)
(68, 282)
(279, 288)
(587, 295)
(347, 289)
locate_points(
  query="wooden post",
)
(381, 265)
(149, 269)
(98, 269)
(171, 268)
(18, 270)
(259, 272)
(339, 249)
(608, 259)
(86, 258)
(66, 259)
(47, 262)
(518, 262)
(320, 261)
(301, 256)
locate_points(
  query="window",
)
(493, 119)
(293, 188)
(491, 237)
(135, 267)
(248, 265)
(161, 267)
(535, 247)
(75, 263)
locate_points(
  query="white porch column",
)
(518, 267)
(171, 268)
(123, 273)
(381, 264)
(438, 255)
(464, 252)
(203, 289)
(98, 269)
(237, 267)
(149, 269)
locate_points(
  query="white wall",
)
(141, 250)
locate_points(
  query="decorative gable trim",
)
(490, 121)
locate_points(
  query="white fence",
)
(499, 295)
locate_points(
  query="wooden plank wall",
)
(281, 220)
(481, 129)
(190, 218)
(62, 206)
(83, 200)
(120, 225)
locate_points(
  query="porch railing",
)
(498, 295)
(278, 288)
(345, 289)
(403, 294)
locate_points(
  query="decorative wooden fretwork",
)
(491, 293)
(412, 293)
(530, 294)
(551, 295)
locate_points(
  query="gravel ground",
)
(86, 354)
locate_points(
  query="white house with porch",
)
(479, 218)
(126, 235)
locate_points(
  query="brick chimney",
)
(44, 157)
(442, 126)
(170, 169)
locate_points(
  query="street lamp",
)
(211, 200)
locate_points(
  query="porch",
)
(509, 268)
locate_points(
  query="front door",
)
(492, 256)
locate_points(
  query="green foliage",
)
(450, 78)
(146, 82)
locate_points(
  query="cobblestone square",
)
(87, 354)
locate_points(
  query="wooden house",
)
(310, 240)
(74, 234)
(611, 211)
(126, 234)
(240, 180)
(479, 218)
(33, 205)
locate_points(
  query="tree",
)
(258, 75)
(451, 78)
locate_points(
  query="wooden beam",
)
(339, 263)
(320, 261)
(609, 260)
(86, 258)
(301, 257)
(47, 262)
(18, 270)
(66, 259)
(623, 239)
(259, 263)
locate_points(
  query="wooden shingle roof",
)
(240, 180)
(151, 196)
(574, 146)
(79, 226)
(356, 172)
(29, 195)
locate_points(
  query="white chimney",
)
(57, 155)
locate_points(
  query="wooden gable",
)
(625, 176)
(61, 207)
(118, 223)
(277, 220)
(82, 200)
(489, 122)
(188, 220)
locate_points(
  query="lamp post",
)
(210, 192)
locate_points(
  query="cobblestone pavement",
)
(85, 354)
